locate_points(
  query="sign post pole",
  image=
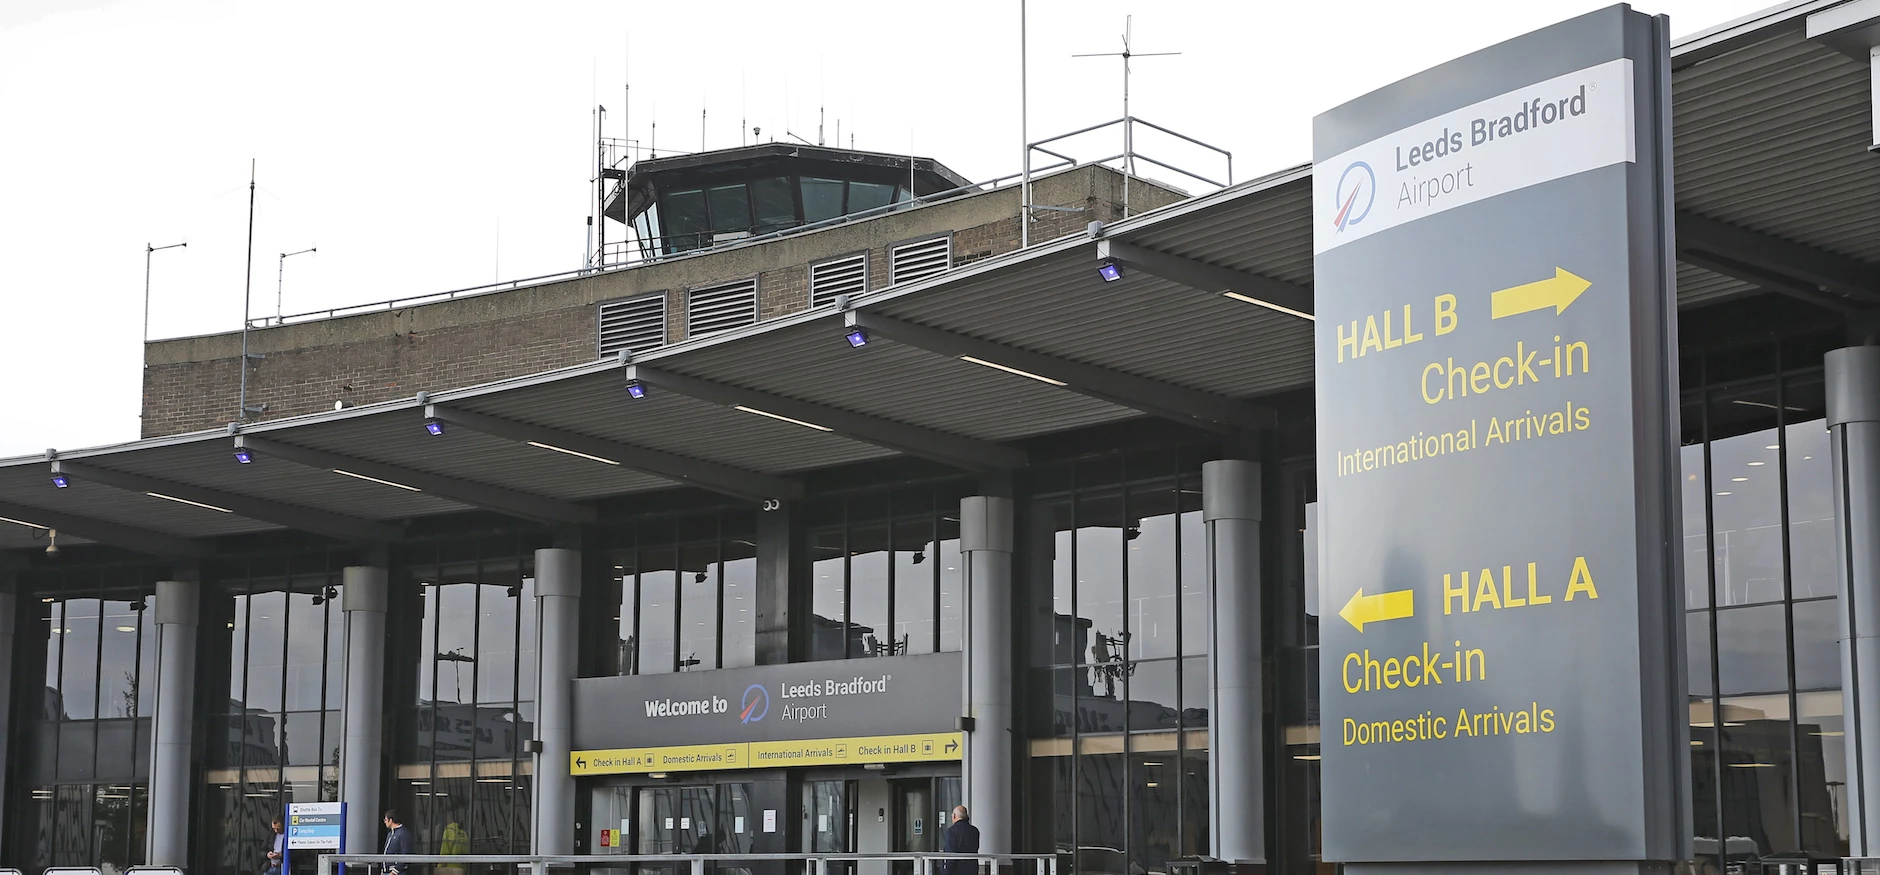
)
(1501, 650)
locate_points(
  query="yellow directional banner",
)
(1364, 609)
(1558, 292)
(862, 749)
(677, 758)
(927, 747)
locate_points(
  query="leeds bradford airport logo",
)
(756, 704)
(1356, 192)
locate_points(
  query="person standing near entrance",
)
(398, 840)
(277, 852)
(960, 838)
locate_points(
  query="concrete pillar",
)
(1853, 385)
(363, 601)
(1230, 516)
(558, 616)
(986, 773)
(167, 837)
(9, 601)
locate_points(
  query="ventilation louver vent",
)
(637, 324)
(915, 260)
(721, 308)
(844, 276)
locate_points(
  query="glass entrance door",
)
(915, 829)
(829, 821)
(677, 820)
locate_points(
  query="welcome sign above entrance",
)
(810, 701)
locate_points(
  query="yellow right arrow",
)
(1559, 292)
(1364, 609)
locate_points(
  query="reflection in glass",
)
(1697, 652)
(1817, 645)
(1696, 545)
(1756, 764)
(828, 593)
(117, 659)
(822, 199)
(952, 586)
(1155, 805)
(1101, 824)
(915, 560)
(1153, 554)
(659, 580)
(1752, 650)
(78, 682)
(698, 608)
(1812, 571)
(740, 599)
(1822, 772)
(1747, 514)
(869, 558)
(1153, 688)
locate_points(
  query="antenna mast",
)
(1129, 122)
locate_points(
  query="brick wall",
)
(192, 384)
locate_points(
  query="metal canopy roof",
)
(1771, 136)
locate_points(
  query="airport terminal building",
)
(856, 491)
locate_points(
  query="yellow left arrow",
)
(1364, 609)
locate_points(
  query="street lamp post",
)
(150, 250)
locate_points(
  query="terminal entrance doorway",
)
(922, 810)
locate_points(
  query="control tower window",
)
(684, 214)
(822, 199)
(730, 207)
(869, 195)
(774, 204)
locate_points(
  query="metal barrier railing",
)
(817, 864)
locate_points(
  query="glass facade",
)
(685, 593)
(85, 732)
(1768, 760)
(885, 576)
(462, 772)
(269, 667)
(1118, 761)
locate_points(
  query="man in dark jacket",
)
(960, 838)
(398, 840)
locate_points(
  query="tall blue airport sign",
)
(1500, 659)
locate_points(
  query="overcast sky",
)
(431, 146)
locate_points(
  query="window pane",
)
(117, 664)
(730, 206)
(497, 616)
(868, 591)
(334, 676)
(869, 195)
(1153, 558)
(774, 203)
(78, 682)
(1153, 837)
(525, 643)
(1153, 687)
(1697, 651)
(1101, 790)
(1752, 650)
(626, 582)
(1195, 698)
(915, 560)
(1099, 560)
(1822, 769)
(306, 648)
(1817, 644)
(828, 588)
(147, 658)
(1747, 513)
(822, 199)
(456, 641)
(1696, 547)
(659, 580)
(267, 631)
(952, 586)
(1756, 763)
(1812, 554)
(683, 212)
(698, 609)
(740, 575)
(1194, 573)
